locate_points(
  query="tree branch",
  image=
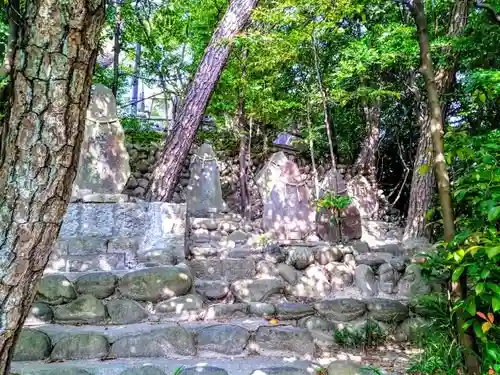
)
(491, 10)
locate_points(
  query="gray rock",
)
(365, 280)
(126, 311)
(312, 284)
(373, 259)
(222, 310)
(177, 305)
(316, 323)
(203, 370)
(293, 310)
(347, 368)
(300, 257)
(328, 254)
(284, 339)
(143, 370)
(238, 236)
(81, 346)
(223, 338)
(341, 275)
(62, 371)
(262, 309)
(40, 313)
(281, 371)
(85, 309)
(155, 284)
(98, 284)
(288, 273)
(211, 289)
(387, 310)
(32, 345)
(400, 263)
(55, 290)
(256, 290)
(388, 278)
(204, 194)
(267, 269)
(341, 309)
(159, 343)
(412, 283)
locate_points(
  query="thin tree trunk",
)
(166, 171)
(459, 289)
(423, 184)
(45, 123)
(244, 149)
(116, 50)
(135, 83)
(366, 162)
(311, 150)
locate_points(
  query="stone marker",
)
(204, 192)
(350, 219)
(287, 211)
(269, 174)
(104, 161)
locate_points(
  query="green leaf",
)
(493, 251)
(457, 273)
(482, 97)
(470, 306)
(480, 288)
(495, 302)
(494, 288)
(494, 214)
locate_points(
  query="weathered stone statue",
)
(287, 211)
(104, 161)
(204, 193)
(269, 174)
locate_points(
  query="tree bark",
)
(116, 50)
(366, 162)
(423, 183)
(166, 171)
(45, 120)
(473, 367)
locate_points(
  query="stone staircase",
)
(221, 299)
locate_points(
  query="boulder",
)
(62, 371)
(143, 370)
(85, 309)
(204, 193)
(104, 161)
(365, 196)
(126, 311)
(387, 310)
(98, 284)
(328, 254)
(373, 259)
(32, 345)
(341, 275)
(388, 278)
(226, 311)
(365, 280)
(312, 284)
(412, 284)
(262, 309)
(223, 338)
(285, 370)
(284, 339)
(348, 368)
(293, 311)
(300, 257)
(81, 346)
(211, 290)
(316, 323)
(180, 304)
(156, 283)
(257, 290)
(40, 313)
(341, 309)
(288, 273)
(159, 343)
(203, 370)
(55, 290)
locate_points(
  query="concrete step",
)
(225, 366)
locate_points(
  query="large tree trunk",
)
(44, 126)
(423, 184)
(459, 289)
(366, 162)
(165, 174)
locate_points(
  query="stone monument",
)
(287, 211)
(104, 162)
(350, 219)
(269, 174)
(365, 197)
(204, 192)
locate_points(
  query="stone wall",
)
(115, 236)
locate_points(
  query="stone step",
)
(215, 366)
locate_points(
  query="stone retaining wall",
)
(116, 236)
